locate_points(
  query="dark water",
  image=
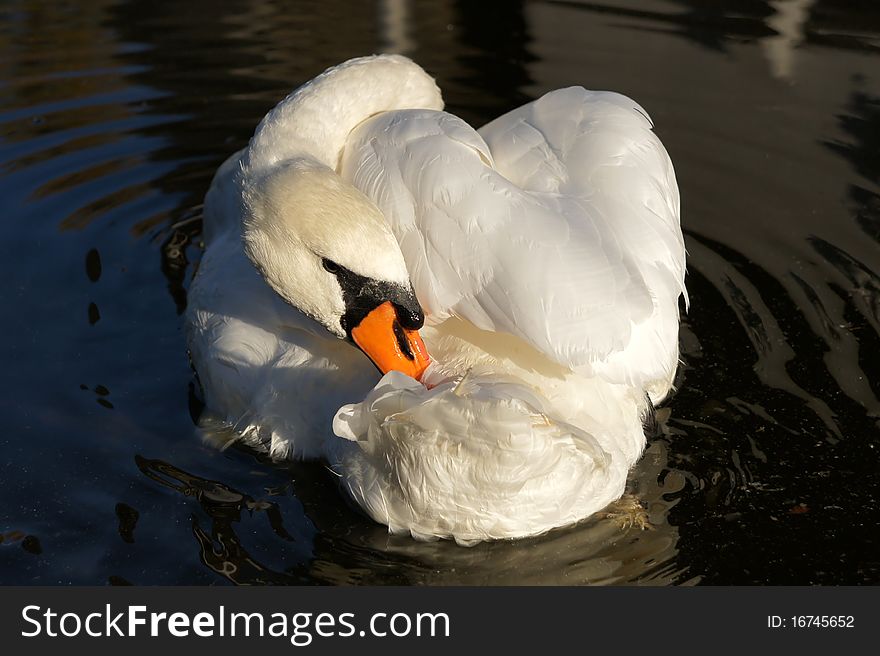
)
(113, 116)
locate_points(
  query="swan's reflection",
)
(220, 548)
(350, 549)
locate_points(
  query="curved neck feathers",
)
(315, 120)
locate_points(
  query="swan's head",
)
(326, 249)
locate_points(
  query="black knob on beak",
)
(411, 318)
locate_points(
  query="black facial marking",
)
(362, 295)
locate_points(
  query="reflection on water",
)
(349, 549)
(114, 116)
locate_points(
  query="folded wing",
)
(557, 223)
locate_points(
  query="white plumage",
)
(545, 250)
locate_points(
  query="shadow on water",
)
(116, 113)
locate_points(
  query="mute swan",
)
(528, 274)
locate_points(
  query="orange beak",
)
(389, 345)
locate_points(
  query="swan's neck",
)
(315, 120)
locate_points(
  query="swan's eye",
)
(331, 266)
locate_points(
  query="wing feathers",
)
(557, 223)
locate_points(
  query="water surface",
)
(763, 468)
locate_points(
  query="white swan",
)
(545, 250)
